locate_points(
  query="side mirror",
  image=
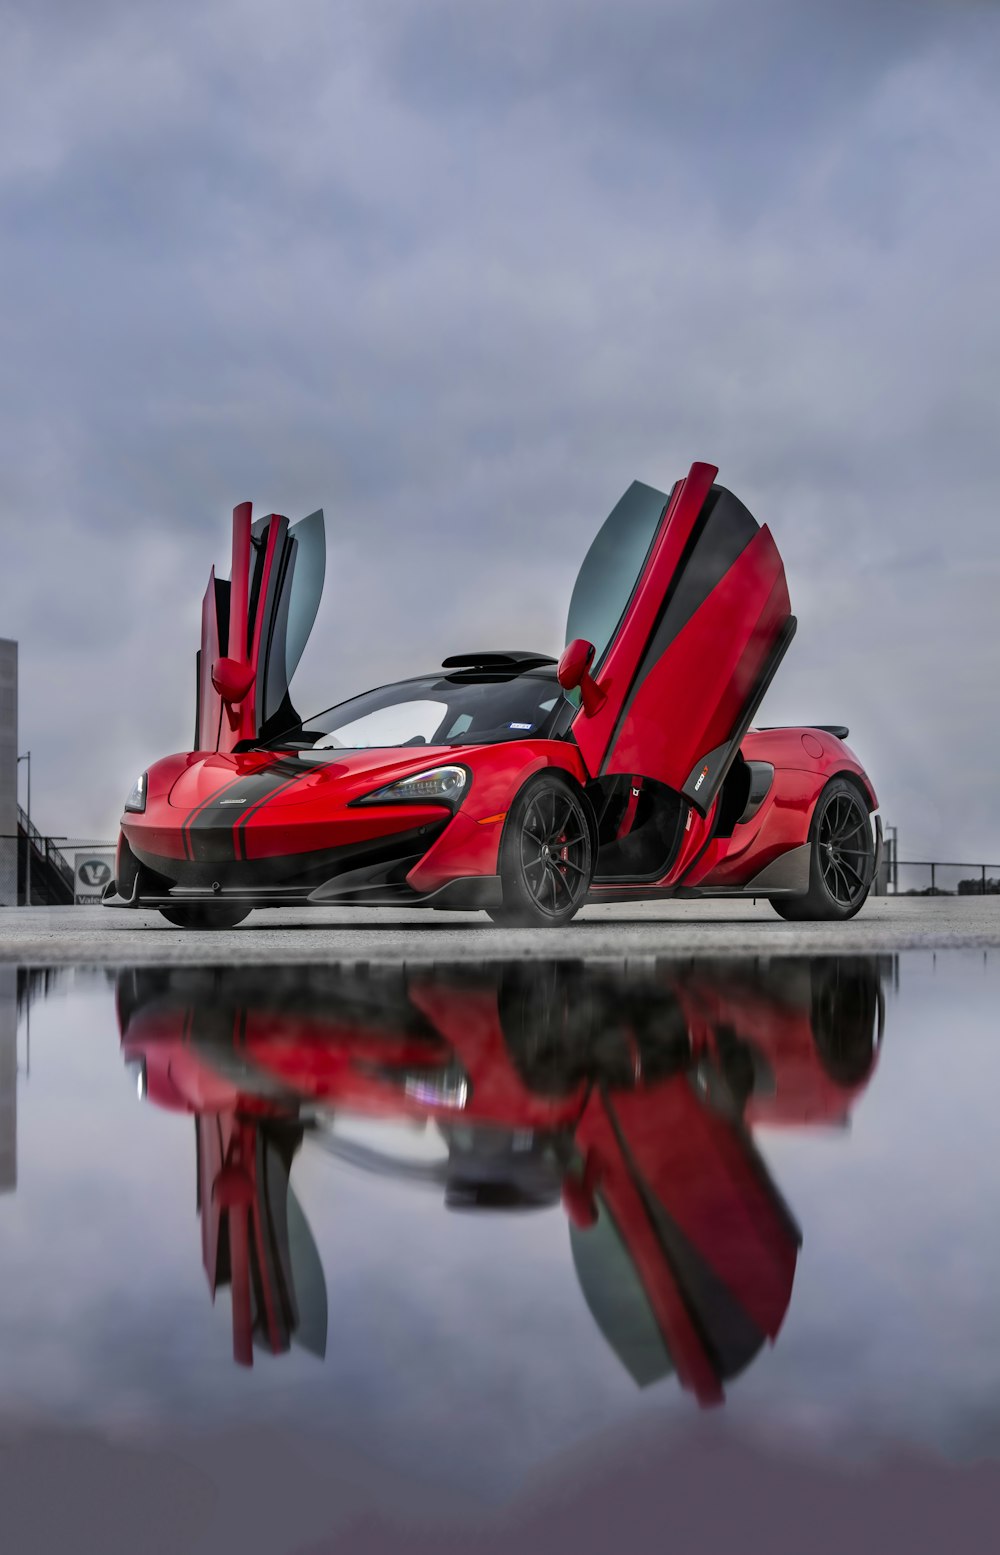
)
(579, 1192)
(574, 670)
(231, 679)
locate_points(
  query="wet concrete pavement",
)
(320, 1260)
(96, 935)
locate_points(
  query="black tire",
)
(846, 1019)
(546, 855)
(548, 1024)
(842, 858)
(205, 917)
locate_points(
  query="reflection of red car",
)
(506, 781)
(796, 1040)
(599, 1087)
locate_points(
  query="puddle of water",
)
(469, 1218)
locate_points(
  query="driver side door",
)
(685, 601)
(259, 620)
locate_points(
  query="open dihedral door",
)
(684, 599)
(688, 1256)
(255, 1237)
(255, 626)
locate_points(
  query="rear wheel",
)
(842, 859)
(846, 1019)
(546, 856)
(205, 917)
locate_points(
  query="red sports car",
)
(506, 780)
(628, 1094)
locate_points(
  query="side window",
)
(612, 566)
(306, 587)
(294, 607)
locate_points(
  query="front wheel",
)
(205, 917)
(842, 858)
(546, 856)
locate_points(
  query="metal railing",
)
(69, 844)
(43, 846)
(938, 877)
(47, 862)
(944, 877)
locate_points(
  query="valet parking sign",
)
(91, 872)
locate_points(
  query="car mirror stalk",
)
(574, 671)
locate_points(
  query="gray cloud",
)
(461, 273)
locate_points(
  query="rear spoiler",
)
(839, 731)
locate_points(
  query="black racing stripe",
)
(723, 530)
(191, 816)
(299, 872)
(216, 817)
(293, 776)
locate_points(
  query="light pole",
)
(893, 856)
(27, 862)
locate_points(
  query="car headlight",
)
(136, 1067)
(137, 794)
(442, 785)
(449, 1088)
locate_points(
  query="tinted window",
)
(612, 567)
(617, 1299)
(438, 710)
(297, 607)
(308, 569)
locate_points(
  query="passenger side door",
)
(685, 601)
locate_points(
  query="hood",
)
(300, 773)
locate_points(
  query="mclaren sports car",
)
(509, 781)
(628, 1095)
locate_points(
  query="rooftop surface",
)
(59, 936)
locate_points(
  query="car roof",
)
(479, 675)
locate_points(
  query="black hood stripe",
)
(245, 795)
(189, 819)
(239, 834)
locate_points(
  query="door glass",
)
(297, 607)
(308, 568)
(612, 567)
(615, 1295)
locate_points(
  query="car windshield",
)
(438, 710)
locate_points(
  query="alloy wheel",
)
(845, 848)
(555, 851)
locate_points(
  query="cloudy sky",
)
(460, 270)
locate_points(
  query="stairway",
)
(51, 875)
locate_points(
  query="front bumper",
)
(370, 873)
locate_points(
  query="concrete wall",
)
(8, 1079)
(8, 772)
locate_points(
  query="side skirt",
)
(471, 893)
(687, 893)
(787, 875)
